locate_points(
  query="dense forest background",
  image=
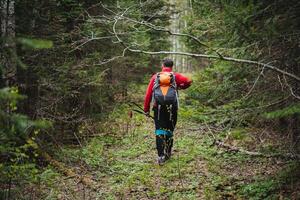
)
(70, 68)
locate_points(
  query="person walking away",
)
(162, 90)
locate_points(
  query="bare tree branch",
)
(253, 153)
(121, 16)
(236, 60)
(162, 29)
(87, 40)
(113, 58)
(255, 82)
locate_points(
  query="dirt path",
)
(128, 168)
(137, 176)
(123, 166)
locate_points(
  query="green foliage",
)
(35, 43)
(92, 153)
(48, 177)
(239, 94)
(264, 188)
(218, 97)
(284, 112)
(71, 79)
(18, 147)
(260, 190)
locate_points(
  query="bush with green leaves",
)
(18, 148)
(257, 30)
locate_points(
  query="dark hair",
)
(168, 62)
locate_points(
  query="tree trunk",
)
(8, 45)
(179, 9)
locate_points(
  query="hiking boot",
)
(161, 160)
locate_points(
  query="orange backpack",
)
(164, 89)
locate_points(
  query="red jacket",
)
(182, 82)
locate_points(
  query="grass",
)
(123, 164)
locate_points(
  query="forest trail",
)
(128, 168)
(69, 69)
(121, 164)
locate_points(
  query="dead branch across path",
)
(121, 16)
(230, 59)
(235, 149)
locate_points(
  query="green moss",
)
(92, 153)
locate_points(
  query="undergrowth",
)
(122, 161)
(126, 167)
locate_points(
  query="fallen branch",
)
(235, 149)
(85, 180)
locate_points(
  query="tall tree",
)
(8, 44)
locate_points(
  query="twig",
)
(112, 59)
(281, 85)
(179, 172)
(255, 82)
(210, 131)
(236, 149)
(87, 40)
(291, 89)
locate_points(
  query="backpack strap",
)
(156, 80)
(155, 85)
(174, 80)
(175, 86)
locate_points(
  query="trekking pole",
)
(139, 110)
(142, 112)
(137, 105)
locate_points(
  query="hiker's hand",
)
(147, 114)
(180, 86)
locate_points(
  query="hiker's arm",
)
(148, 96)
(182, 81)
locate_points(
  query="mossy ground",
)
(122, 163)
(123, 166)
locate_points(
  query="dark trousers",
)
(165, 118)
(164, 144)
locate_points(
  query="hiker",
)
(162, 90)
